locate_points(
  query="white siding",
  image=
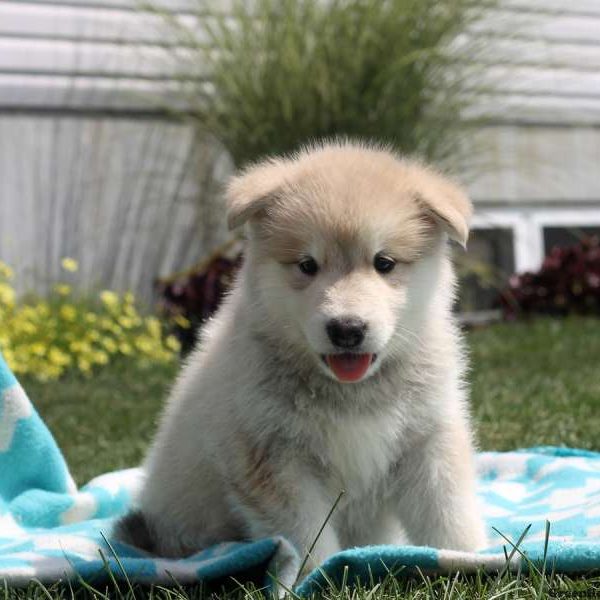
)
(124, 193)
(539, 60)
(541, 57)
(536, 164)
(86, 54)
(86, 168)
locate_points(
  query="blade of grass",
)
(110, 574)
(543, 574)
(515, 548)
(314, 543)
(120, 564)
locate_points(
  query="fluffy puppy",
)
(334, 364)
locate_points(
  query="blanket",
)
(51, 531)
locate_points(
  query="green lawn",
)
(537, 384)
(532, 384)
(105, 422)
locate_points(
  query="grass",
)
(458, 587)
(105, 422)
(532, 384)
(537, 384)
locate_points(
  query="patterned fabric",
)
(49, 530)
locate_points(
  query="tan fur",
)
(259, 435)
(378, 175)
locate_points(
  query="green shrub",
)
(45, 338)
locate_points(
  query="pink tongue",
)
(349, 367)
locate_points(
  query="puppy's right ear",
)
(249, 193)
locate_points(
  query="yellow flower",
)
(84, 365)
(115, 329)
(100, 357)
(75, 347)
(58, 357)
(53, 371)
(9, 356)
(38, 349)
(109, 344)
(41, 309)
(182, 322)
(126, 322)
(130, 311)
(91, 318)
(25, 327)
(109, 299)
(93, 336)
(7, 295)
(143, 344)
(62, 289)
(69, 264)
(125, 348)
(5, 271)
(154, 327)
(172, 343)
(80, 347)
(68, 312)
(106, 323)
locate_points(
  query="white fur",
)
(259, 438)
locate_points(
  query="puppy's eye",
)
(308, 266)
(383, 264)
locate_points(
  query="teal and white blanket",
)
(50, 530)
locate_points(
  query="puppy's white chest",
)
(361, 449)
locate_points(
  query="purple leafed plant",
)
(190, 298)
(567, 283)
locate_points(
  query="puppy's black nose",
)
(346, 332)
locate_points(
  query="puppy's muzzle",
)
(346, 332)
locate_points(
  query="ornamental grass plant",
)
(267, 76)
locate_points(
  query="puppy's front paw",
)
(472, 536)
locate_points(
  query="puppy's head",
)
(346, 249)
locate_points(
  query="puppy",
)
(334, 364)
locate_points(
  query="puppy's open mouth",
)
(349, 367)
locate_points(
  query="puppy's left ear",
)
(445, 203)
(249, 193)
